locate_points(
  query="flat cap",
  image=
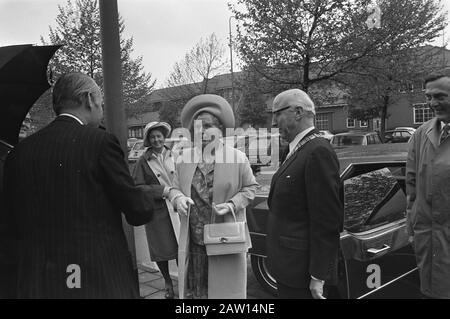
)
(293, 97)
(211, 103)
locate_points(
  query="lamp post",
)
(231, 62)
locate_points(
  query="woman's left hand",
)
(221, 209)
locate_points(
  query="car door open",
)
(375, 249)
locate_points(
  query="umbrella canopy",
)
(23, 79)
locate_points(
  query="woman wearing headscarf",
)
(219, 182)
(156, 168)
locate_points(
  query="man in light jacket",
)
(428, 191)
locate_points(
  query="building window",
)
(350, 122)
(363, 123)
(422, 113)
(322, 121)
(376, 124)
(406, 86)
(157, 106)
(136, 131)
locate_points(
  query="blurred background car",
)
(355, 138)
(136, 151)
(327, 135)
(399, 135)
(130, 142)
(173, 143)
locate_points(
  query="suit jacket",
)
(66, 187)
(306, 215)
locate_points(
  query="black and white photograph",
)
(244, 152)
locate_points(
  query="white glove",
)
(182, 204)
(222, 209)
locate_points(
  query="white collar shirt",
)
(72, 116)
(298, 138)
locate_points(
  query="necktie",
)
(445, 133)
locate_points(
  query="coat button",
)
(158, 175)
(171, 172)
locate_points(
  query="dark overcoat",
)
(66, 187)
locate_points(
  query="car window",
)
(376, 139)
(138, 146)
(346, 140)
(406, 134)
(374, 198)
(370, 139)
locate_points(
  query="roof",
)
(356, 133)
(143, 119)
(372, 153)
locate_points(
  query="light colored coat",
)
(428, 217)
(227, 274)
(162, 230)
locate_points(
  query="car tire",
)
(265, 279)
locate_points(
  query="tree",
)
(190, 76)
(78, 30)
(375, 84)
(204, 61)
(304, 42)
(252, 109)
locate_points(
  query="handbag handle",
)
(213, 215)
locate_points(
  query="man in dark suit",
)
(66, 187)
(305, 203)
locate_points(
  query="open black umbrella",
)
(23, 79)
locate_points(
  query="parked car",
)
(411, 129)
(258, 148)
(326, 134)
(130, 142)
(136, 151)
(138, 148)
(373, 237)
(355, 138)
(399, 135)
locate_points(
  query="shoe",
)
(169, 293)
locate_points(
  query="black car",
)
(375, 258)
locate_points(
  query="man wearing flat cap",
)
(305, 203)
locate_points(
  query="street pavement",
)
(151, 285)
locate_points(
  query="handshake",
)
(181, 204)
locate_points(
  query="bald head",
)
(293, 98)
(69, 90)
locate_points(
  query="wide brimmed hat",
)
(166, 129)
(211, 103)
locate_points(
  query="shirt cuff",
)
(322, 281)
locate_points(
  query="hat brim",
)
(165, 127)
(210, 103)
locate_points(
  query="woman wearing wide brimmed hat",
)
(210, 186)
(156, 168)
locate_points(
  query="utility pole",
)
(113, 90)
(231, 62)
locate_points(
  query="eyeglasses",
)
(286, 107)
